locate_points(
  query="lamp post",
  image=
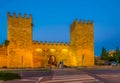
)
(21, 64)
(45, 54)
(82, 59)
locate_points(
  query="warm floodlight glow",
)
(38, 49)
(52, 50)
(65, 50)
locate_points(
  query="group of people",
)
(52, 62)
(61, 64)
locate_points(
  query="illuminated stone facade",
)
(82, 42)
(22, 51)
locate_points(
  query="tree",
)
(112, 58)
(104, 54)
(6, 45)
(117, 54)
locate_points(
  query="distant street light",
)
(82, 59)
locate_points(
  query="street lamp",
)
(82, 59)
(21, 64)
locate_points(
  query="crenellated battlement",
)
(50, 43)
(19, 16)
(84, 22)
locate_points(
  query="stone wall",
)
(82, 42)
(42, 52)
(24, 52)
(3, 56)
(20, 41)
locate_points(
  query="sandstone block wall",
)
(3, 57)
(42, 52)
(24, 52)
(20, 41)
(82, 42)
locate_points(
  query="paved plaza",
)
(69, 75)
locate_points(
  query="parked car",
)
(106, 63)
(114, 63)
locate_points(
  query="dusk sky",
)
(52, 19)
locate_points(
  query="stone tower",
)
(82, 42)
(20, 41)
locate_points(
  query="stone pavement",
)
(32, 76)
(24, 80)
(71, 76)
(73, 79)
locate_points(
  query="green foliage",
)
(106, 57)
(6, 43)
(112, 58)
(104, 54)
(117, 55)
(8, 76)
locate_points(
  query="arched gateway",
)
(52, 61)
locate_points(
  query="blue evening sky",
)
(52, 19)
